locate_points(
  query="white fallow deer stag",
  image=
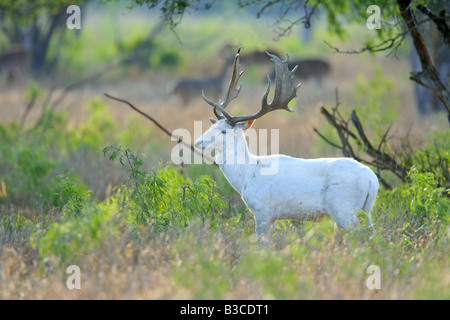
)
(301, 189)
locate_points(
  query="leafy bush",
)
(71, 238)
(24, 167)
(416, 213)
(164, 197)
(71, 194)
(375, 99)
(96, 131)
(13, 225)
(31, 160)
(427, 159)
(158, 199)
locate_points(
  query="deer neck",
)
(236, 162)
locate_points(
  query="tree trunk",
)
(41, 41)
(428, 77)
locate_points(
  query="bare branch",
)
(381, 160)
(391, 43)
(179, 139)
(439, 21)
(304, 10)
(28, 108)
(267, 5)
(326, 139)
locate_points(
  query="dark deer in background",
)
(316, 69)
(257, 57)
(189, 89)
(15, 65)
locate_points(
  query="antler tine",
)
(234, 88)
(214, 105)
(285, 90)
(232, 92)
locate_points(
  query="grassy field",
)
(93, 184)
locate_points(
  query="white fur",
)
(301, 189)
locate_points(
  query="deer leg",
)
(264, 229)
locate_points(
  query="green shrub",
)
(31, 159)
(13, 225)
(375, 99)
(164, 197)
(415, 213)
(427, 159)
(71, 194)
(96, 131)
(72, 238)
(24, 167)
(157, 200)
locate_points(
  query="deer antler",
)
(285, 91)
(232, 93)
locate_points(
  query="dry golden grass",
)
(205, 264)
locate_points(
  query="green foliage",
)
(47, 131)
(417, 212)
(166, 57)
(138, 136)
(14, 224)
(24, 167)
(429, 204)
(171, 10)
(87, 51)
(200, 198)
(22, 12)
(164, 197)
(375, 104)
(29, 159)
(283, 283)
(339, 14)
(34, 90)
(375, 99)
(97, 130)
(427, 159)
(71, 238)
(71, 194)
(160, 199)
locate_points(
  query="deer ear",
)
(248, 124)
(244, 125)
(212, 121)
